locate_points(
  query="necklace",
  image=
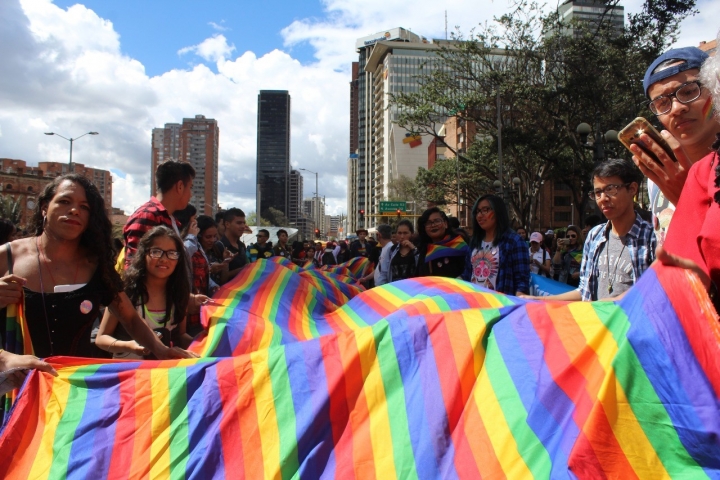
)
(611, 280)
(47, 266)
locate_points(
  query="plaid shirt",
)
(149, 215)
(641, 246)
(514, 265)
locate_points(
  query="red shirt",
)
(149, 215)
(694, 230)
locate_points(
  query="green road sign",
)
(392, 207)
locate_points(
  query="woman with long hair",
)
(498, 258)
(156, 283)
(568, 257)
(442, 250)
(403, 255)
(65, 272)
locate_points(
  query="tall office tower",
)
(273, 150)
(295, 194)
(591, 12)
(197, 142)
(364, 180)
(314, 209)
(354, 108)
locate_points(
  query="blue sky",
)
(152, 31)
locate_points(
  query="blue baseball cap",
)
(666, 65)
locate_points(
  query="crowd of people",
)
(85, 298)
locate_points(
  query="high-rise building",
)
(354, 108)
(273, 150)
(364, 181)
(314, 209)
(295, 195)
(591, 12)
(196, 142)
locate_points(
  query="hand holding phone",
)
(669, 175)
(632, 135)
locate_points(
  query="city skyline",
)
(79, 69)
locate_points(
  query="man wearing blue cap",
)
(685, 109)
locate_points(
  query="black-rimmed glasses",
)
(610, 191)
(159, 252)
(685, 93)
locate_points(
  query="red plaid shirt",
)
(149, 215)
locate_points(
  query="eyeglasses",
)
(686, 93)
(483, 211)
(610, 191)
(572, 236)
(158, 253)
(432, 223)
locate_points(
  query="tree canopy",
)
(527, 80)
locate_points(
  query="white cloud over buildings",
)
(64, 71)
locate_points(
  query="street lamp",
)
(505, 192)
(71, 140)
(599, 142)
(317, 200)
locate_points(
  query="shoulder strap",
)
(9, 258)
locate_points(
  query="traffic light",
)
(362, 213)
(317, 233)
(399, 212)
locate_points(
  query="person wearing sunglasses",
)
(619, 251)
(568, 256)
(261, 248)
(683, 105)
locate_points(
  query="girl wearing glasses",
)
(442, 250)
(156, 282)
(65, 272)
(498, 258)
(568, 256)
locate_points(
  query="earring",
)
(44, 221)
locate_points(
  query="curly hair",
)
(177, 288)
(710, 78)
(97, 237)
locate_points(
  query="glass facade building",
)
(273, 151)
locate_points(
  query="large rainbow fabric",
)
(451, 247)
(423, 378)
(17, 340)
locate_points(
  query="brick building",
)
(24, 183)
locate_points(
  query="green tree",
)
(10, 209)
(251, 219)
(276, 218)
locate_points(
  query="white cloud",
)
(64, 71)
(218, 27)
(213, 49)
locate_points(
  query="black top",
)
(61, 323)
(402, 267)
(452, 267)
(240, 259)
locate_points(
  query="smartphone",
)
(631, 135)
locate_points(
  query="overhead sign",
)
(387, 207)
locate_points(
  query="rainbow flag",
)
(423, 378)
(450, 247)
(17, 340)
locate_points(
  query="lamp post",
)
(505, 192)
(599, 140)
(71, 140)
(317, 207)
